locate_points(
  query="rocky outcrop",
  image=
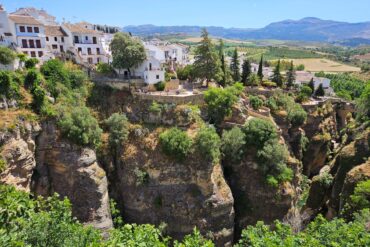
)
(150, 187)
(254, 199)
(73, 172)
(17, 152)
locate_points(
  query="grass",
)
(9, 119)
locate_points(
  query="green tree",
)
(233, 143)
(118, 130)
(246, 71)
(207, 63)
(175, 143)
(235, 65)
(277, 77)
(31, 63)
(311, 84)
(194, 240)
(258, 132)
(320, 90)
(260, 69)
(290, 76)
(8, 87)
(220, 101)
(127, 52)
(7, 56)
(208, 144)
(256, 102)
(297, 116)
(221, 50)
(363, 105)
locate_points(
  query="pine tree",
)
(311, 84)
(320, 91)
(225, 77)
(290, 76)
(246, 71)
(260, 69)
(235, 66)
(207, 62)
(276, 77)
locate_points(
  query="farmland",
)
(320, 64)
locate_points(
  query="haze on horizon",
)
(231, 13)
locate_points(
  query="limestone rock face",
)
(73, 172)
(17, 150)
(150, 187)
(254, 199)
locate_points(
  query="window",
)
(90, 60)
(157, 77)
(76, 39)
(38, 43)
(89, 51)
(86, 38)
(98, 51)
(94, 40)
(98, 60)
(61, 48)
(79, 49)
(54, 47)
(24, 43)
(41, 53)
(29, 29)
(36, 29)
(47, 38)
(22, 29)
(62, 39)
(33, 54)
(56, 39)
(32, 43)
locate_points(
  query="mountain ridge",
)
(305, 29)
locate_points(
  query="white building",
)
(57, 41)
(87, 43)
(30, 36)
(40, 15)
(7, 38)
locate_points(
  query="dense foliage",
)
(7, 56)
(256, 102)
(8, 86)
(208, 143)
(175, 143)
(118, 129)
(220, 101)
(233, 144)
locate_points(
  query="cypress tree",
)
(260, 69)
(235, 66)
(311, 84)
(290, 76)
(277, 78)
(246, 67)
(320, 90)
(221, 51)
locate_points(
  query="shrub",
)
(272, 158)
(118, 129)
(78, 125)
(142, 177)
(208, 144)
(255, 102)
(155, 107)
(269, 84)
(361, 196)
(160, 86)
(297, 117)
(258, 132)
(7, 56)
(8, 87)
(185, 73)
(233, 144)
(56, 76)
(326, 180)
(220, 101)
(175, 143)
(32, 79)
(300, 67)
(3, 164)
(38, 98)
(194, 240)
(272, 181)
(306, 91)
(31, 63)
(105, 69)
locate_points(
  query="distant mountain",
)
(307, 29)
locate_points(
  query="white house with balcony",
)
(57, 41)
(86, 43)
(30, 36)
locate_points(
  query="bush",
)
(361, 196)
(297, 117)
(78, 125)
(56, 76)
(118, 129)
(105, 69)
(208, 144)
(258, 132)
(31, 63)
(160, 86)
(272, 158)
(38, 98)
(8, 87)
(300, 67)
(220, 101)
(185, 73)
(7, 56)
(175, 143)
(233, 144)
(32, 79)
(255, 102)
(155, 108)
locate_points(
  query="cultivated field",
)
(320, 64)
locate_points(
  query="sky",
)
(225, 13)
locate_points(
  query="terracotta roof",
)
(76, 28)
(54, 31)
(24, 19)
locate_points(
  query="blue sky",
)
(227, 13)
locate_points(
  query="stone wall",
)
(176, 99)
